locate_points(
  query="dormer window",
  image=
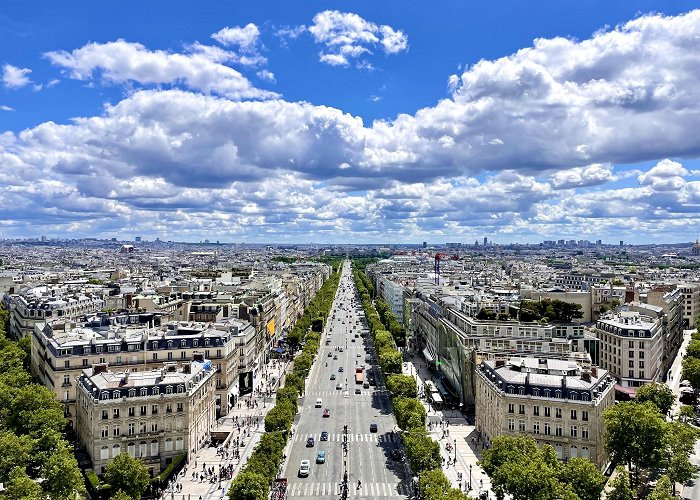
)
(169, 389)
(132, 393)
(144, 391)
(116, 395)
(180, 388)
(105, 395)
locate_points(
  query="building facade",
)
(154, 415)
(555, 402)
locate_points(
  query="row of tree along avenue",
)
(254, 480)
(422, 451)
(640, 440)
(36, 461)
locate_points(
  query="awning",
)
(630, 391)
(435, 396)
(429, 357)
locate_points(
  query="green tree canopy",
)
(422, 451)
(21, 487)
(410, 413)
(635, 433)
(62, 476)
(402, 385)
(691, 371)
(662, 490)
(249, 486)
(693, 350)
(659, 394)
(391, 361)
(127, 474)
(620, 485)
(586, 481)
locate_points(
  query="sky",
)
(351, 122)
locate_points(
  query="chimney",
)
(125, 380)
(186, 367)
(500, 362)
(594, 371)
(586, 376)
(99, 368)
(198, 356)
(563, 382)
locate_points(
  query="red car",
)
(326, 413)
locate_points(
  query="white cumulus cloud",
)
(14, 77)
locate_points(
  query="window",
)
(154, 426)
(631, 354)
(547, 411)
(180, 388)
(521, 390)
(574, 431)
(143, 448)
(156, 391)
(116, 450)
(115, 413)
(641, 354)
(104, 432)
(105, 395)
(641, 374)
(104, 453)
(631, 363)
(154, 448)
(573, 451)
(584, 432)
(154, 345)
(131, 429)
(557, 394)
(179, 407)
(585, 453)
(154, 409)
(183, 355)
(641, 344)
(183, 343)
(168, 444)
(132, 411)
(169, 408)
(116, 431)
(511, 424)
(641, 364)
(195, 343)
(631, 344)
(155, 356)
(66, 380)
(521, 425)
(170, 356)
(558, 431)
(66, 364)
(179, 443)
(536, 427)
(85, 363)
(557, 413)
(536, 410)
(521, 409)
(584, 415)
(573, 414)
(144, 392)
(143, 410)
(511, 408)
(169, 389)
(631, 374)
(547, 429)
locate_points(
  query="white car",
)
(304, 468)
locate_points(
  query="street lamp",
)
(470, 477)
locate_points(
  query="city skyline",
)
(351, 122)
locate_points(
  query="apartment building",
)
(154, 415)
(631, 347)
(691, 303)
(62, 350)
(27, 311)
(555, 402)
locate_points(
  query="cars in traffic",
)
(304, 468)
(309, 442)
(324, 436)
(373, 427)
(332, 376)
(326, 413)
(321, 457)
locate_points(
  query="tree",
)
(659, 394)
(21, 487)
(15, 451)
(422, 451)
(505, 450)
(280, 417)
(686, 412)
(680, 470)
(409, 412)
(249, 486)
(402, 385)
(63, 479)
(620, 485)
(635, 434)
(693, 350)
(584, 478)
(662, 490)
(435, 486)
(391, 361)
(127, 474)
(691, 371)
(120, 495)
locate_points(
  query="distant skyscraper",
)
(599, 242)
(43, 238)
(425, 244)
(622, 243)
(486, 241)
(476, 243)
(114, 239)
(138, 239)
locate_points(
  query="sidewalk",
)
(243, 425)
(458, 432)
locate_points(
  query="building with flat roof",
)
(154, 415)
(555, 402)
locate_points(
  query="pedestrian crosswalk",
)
(339, 392)
(368, 490)
(352, 437)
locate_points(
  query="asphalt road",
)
(368, 457)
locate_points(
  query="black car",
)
(373, 427)
(396, 454)
(309, 442)
(340, 369)
(332, 376)
(324, 436)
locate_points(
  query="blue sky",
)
(350, 121)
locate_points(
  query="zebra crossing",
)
(370, 490)
(337, 392)
(352, 437)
